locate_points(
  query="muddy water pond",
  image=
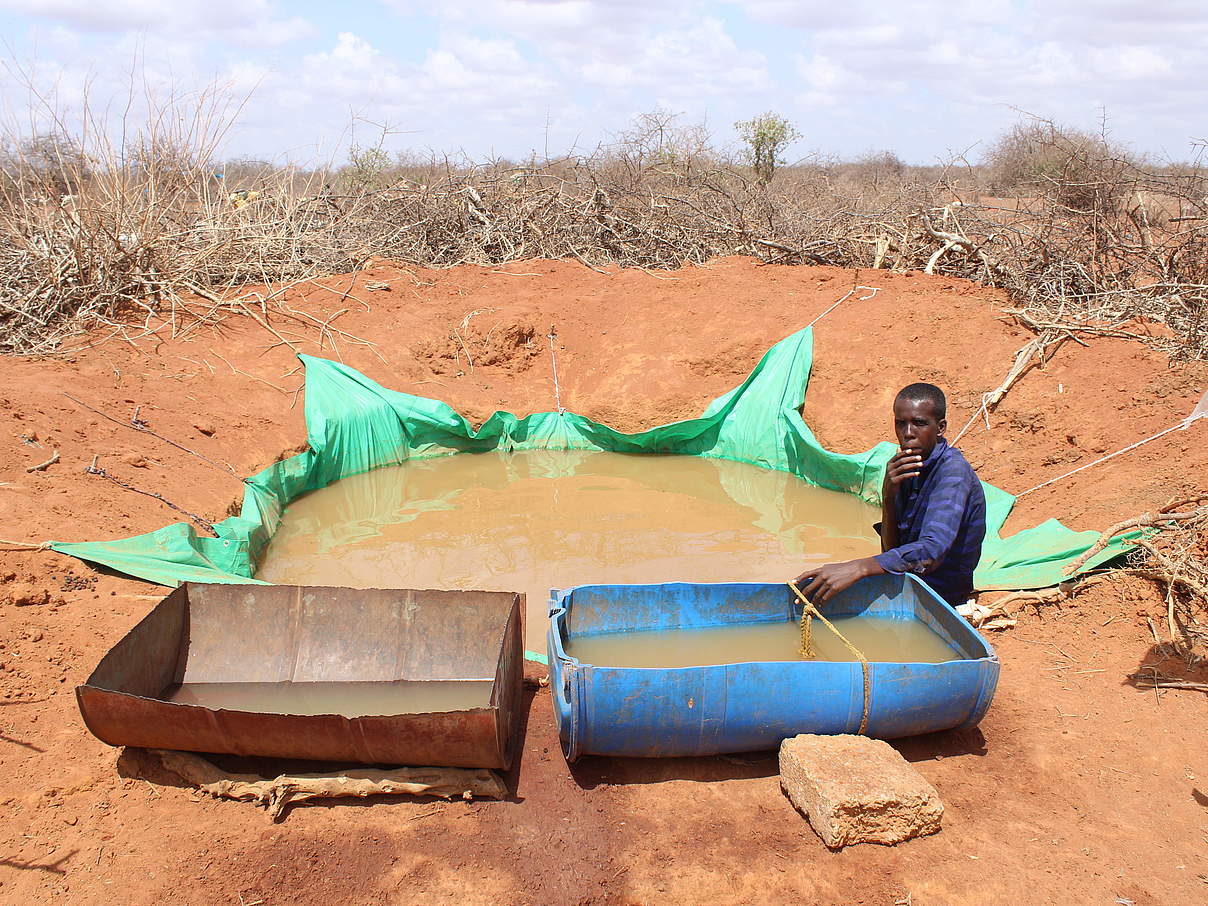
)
(536, 520)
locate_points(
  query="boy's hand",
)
(826, 581)
(906, 463)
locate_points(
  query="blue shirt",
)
(941, 524)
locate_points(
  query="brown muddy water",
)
(877, 638)
(536, 520)
(347, 699)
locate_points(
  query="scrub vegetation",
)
(1082, 234)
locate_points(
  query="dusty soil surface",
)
(1078, 787)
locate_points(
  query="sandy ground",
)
(1077, 788)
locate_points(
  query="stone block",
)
(857, 790)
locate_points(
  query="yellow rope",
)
(808, 612)
(807, 633)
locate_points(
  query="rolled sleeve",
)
(892, 561)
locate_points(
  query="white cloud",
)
(680, 63)
(560, 19)
(245, 22)
(824, 79)
(1169, 23)
(1136, 62)
(351, 51)
(917, 76)
(1052, 58)
(606, 60)
(465, 81)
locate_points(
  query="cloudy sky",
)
(506, 77)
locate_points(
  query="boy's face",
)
(916, 426)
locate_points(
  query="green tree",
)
(766, 136)
(368, 169)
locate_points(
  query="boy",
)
(933, 509)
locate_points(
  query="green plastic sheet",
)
(354, 425)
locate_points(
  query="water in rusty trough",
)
(347, 699)
(538, 520)
(879, 639)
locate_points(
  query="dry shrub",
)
(1170, 547)
(1177, 559)
(1072, 168)
(875, 170)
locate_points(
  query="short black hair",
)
(919, 392)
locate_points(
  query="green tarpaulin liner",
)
(354, 425)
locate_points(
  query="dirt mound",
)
(510, 347)
(1082, 784)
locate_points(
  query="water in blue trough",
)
(877, 638)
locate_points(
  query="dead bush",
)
(149, 226)
(1177, 559)
(1075, 169)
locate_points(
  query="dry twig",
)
(43, 466)
(1166, 516)
(1157, 681)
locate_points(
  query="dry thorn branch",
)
(1166, 516)
(1157, 681)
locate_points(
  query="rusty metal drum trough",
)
(419, 677)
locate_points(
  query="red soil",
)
(1077, 788)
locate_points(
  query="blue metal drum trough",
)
(746, 707)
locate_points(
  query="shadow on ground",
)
(944, 744)
(592, 771)
(51, 867)
(1165, 667)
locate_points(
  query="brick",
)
(857, 790)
